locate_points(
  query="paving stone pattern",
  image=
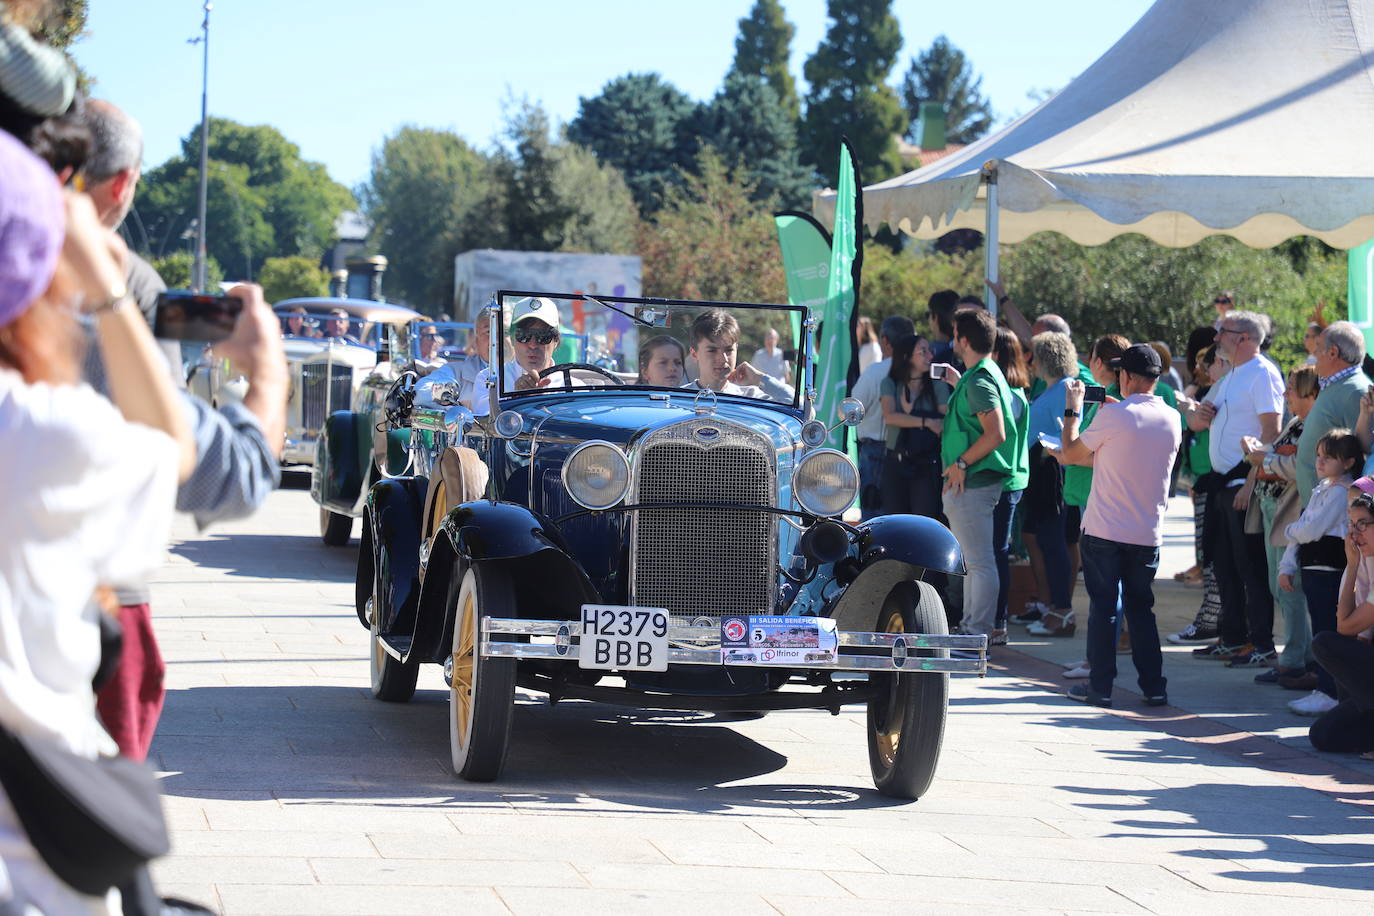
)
(291, 791)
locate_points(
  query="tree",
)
(430, 196)
(60, 23)
(901, 283)
(175, 270)
(556, 196)
(752, 132)
(1150, 292)
(263, 199)
(942, 73)
(293, 277)
(711, 241)
(849, 95)
(763, 48)
(637, 125)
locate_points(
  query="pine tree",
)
(942, 73)
(752, 133)
(762, 49)
(849, 95)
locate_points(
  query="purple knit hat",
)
(31, 227)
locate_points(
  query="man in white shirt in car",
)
(715, 342)
(463, 371)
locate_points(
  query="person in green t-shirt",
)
(980, 448)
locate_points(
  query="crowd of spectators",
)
(988, 429)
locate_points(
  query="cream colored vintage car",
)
(332, 346)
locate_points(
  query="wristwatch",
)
(960, 463)
(1071, 413)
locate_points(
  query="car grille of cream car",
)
(697, 561)
(325, 388)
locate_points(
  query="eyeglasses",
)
(1362, 525)
(543, 338)
(1230, 331)
(1221, 301)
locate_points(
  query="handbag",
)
(94, 822)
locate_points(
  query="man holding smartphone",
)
(238, 447)
(1131, 446)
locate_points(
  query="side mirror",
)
(851, 411)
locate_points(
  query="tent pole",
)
(990, 236)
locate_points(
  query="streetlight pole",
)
(198, 278)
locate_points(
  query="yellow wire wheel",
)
(481, 690)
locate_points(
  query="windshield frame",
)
(801, 379)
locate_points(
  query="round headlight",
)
(813, 434)
(597, 475)
(825, 482)
(509, 424)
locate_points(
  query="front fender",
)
(913, 539)
(483, 530)
(342, 453)
(395, 509)
(893, 549)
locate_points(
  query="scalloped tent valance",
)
(1248, 118)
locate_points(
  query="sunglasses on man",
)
(1221, 301)
(543, 338)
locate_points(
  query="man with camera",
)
(1131, 446)
(238, 446)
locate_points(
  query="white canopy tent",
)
(1249, 118)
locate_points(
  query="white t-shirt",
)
(1133, 443)
(869, 354)
(85, 500)
(1241, 396)
(770, 362)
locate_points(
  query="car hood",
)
(622, 419)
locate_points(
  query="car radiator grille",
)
(703, 561)
(325, 387)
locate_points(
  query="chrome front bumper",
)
(560, 640)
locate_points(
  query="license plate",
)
(624, 638)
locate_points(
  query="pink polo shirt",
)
(1133, 443)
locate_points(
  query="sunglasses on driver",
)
(525, 335)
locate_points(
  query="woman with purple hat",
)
(86, 485)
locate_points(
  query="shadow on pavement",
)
(309, 742)
(1222, 815)
(276, 556)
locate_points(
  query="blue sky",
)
(338, 76)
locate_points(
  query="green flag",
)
(835, 352)
(806, 261)
(1360, 277)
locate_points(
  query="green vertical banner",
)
(1360, 280)
(806, 261)
(835, 358)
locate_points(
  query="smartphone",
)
(182, 315)
(1094, 394)
(937, 370)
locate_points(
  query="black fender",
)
(549, 583)
(343, 453)
(893, 549)
(395, 511)
(913, 539)
(484, 530)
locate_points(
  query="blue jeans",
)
(871, 454)
(1051, 535)
(1001, 549)
(1109, 566)
(970, 515)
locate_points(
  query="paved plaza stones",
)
(291, 791)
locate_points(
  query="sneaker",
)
(1219, 651)
(1255, 658)
(1033, 612)
(997, 638)
(1084, 694)
(1314, 704)
(1161, 700)
(1077, 672)
(1270, 676)
(1191, 633)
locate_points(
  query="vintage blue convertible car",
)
(596, 536)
